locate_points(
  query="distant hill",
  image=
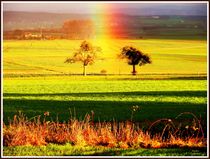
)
(167, 9)
(121, 25)
(31, 20)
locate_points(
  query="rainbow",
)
(101, 22)
(106, 27)
(105, 21)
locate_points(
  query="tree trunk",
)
(84, 70)
(134, 70)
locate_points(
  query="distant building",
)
(155, 17)
(32, 36)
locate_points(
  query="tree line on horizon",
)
(71, 29)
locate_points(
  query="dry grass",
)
(22, 131)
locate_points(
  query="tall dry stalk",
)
(22, 131)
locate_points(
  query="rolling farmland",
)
(35, 74)
(47, 57)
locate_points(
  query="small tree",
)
(78, 29)
(85, 54)
(134, 57)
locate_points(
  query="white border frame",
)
(190, 2)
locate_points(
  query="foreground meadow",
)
(111, 100)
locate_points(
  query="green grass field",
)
(37, 80)
(69, 150)
(109, 99)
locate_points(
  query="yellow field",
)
(47, 57)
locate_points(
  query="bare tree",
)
(87, 54)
